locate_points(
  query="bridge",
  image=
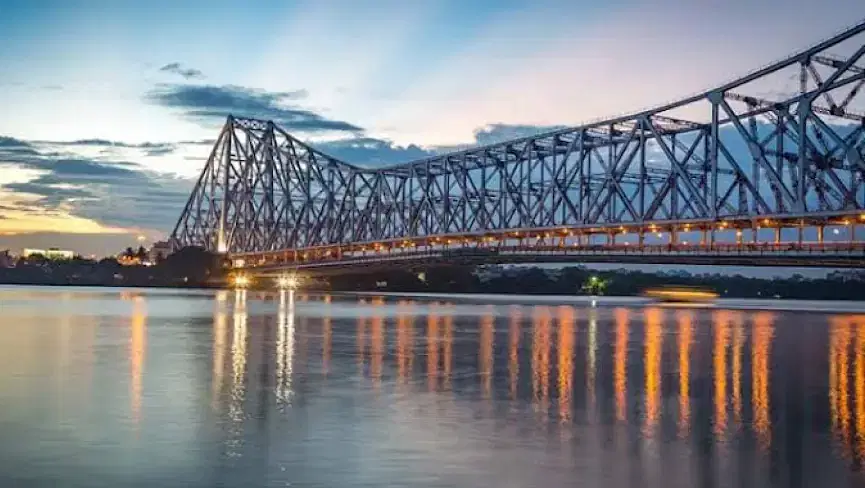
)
(727, 176)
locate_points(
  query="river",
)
(104, 387)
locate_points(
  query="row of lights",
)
(283, 282)
(653, 228)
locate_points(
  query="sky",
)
(108, 108)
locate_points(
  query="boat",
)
(679, 294)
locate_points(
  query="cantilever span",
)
(727, 166)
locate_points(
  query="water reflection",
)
(327, 338)
(621, 362)
(285, 347)
(860, 387)
(761, 349)
(514, 333)
(669, 397)
(719, 370)
(653, 344)
(404, 343)
(377, 344)
(591, 359)
(686, 337)
(432, 344)
(846, 405)
(220, 331)
(485, 356)
(541, 325)
(738, 344)
(448, 351)
(566, 361)
(236, 412)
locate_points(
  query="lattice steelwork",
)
(753, 148)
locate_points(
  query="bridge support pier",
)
(777, 235)
(820, 234)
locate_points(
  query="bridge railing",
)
(492, 253)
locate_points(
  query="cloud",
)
(495, 133)
(148, 148)
(372, 152)
(211, 104)
(6, 142)
(178, 69)
(369, 151)
(113, 193)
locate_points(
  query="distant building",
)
(159, 250)
(126, 260)
(6, 260)
(51, 253)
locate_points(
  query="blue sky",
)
(108, 106)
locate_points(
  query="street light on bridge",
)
(241, 280)
(288, 282)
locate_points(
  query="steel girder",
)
(725, 153)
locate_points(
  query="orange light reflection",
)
(762, 332)
(654, 344)
(686, 333)
(620, 360)
(565, 349)
(486, 353)
(721, 334)
(541, 323)
(138, 347)
(514, 351)
(432, 353)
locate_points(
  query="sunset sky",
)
(109, 107)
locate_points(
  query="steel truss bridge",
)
(764, 170)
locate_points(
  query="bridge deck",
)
(827, 255)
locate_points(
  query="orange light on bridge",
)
(288, 282)
(241, 280)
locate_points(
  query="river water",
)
(146, 388)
